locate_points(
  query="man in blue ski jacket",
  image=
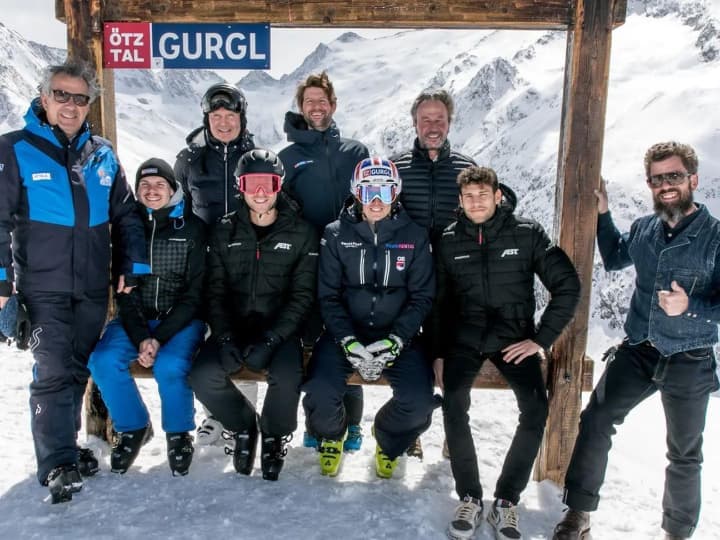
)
(61, 188)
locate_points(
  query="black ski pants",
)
(685, 381)
(526, 381)
(65, 328)
(398, 422)
(213, 387)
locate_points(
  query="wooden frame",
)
(589, 25)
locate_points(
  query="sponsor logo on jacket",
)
(41, 176)
(400, 263)
(351, 245)
(283, 245)
(105, 179)
(400, 246)
(510, 252)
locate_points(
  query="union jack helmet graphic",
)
(376, 171)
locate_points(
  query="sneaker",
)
(272, 455)
(468, 516)
(574, 526)
(384, 466)
(309, 441)
(62, 482)
(127, 447)
(503, 517)
(209, 432)
(415, 449)
(245, 449)
(87, 463)
(330, 456)
(180, 452)
(354, 438)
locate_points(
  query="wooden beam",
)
(85, 42)
(579, 161)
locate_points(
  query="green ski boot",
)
(330, 456)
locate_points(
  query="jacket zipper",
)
(225, 159)
(152, 245)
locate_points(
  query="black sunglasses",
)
(61, 96)
(674, 178)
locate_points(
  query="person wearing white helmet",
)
(375, 287)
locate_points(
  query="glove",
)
(257, 356)
(355, 352)
(231, 357)
(386, 350)
(15, 322)
(371, 370)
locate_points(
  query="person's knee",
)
(171, 371)
(104, 366)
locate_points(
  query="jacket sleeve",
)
(186, 308)
(127, 228)
(216, 284)
(131, 316)
(10, 190)
(302, 289)
(181, 170)
(707, 307)
(558, 275)
(330, 286)
(613, 245)
(421, 291)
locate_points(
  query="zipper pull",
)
(480, 235)
(257, 251)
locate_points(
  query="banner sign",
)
(186, 46)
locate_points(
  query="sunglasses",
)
(225, 101)
(366, 193)
(61, 96)
(674, 178)
(253, 183)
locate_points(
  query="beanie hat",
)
(156, 167)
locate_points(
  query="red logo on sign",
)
(126, 45)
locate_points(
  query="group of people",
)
(414, 268)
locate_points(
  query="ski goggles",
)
(254, 182)
(222, 100)
(367, 193)
(61, 96)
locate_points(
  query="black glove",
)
(258, 355)
(22, 332)
(230, 356)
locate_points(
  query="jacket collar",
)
(37, 124)
(298, 131)
(420, 151)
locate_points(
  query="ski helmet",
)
(376, 171)
(267, 168)
(226, 96)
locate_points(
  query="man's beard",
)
(673, 212)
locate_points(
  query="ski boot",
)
(272, 455)
(127, 447)
(384, 466)
(330, 456)
(87, 463)
(180, 452)
(62, 482)
(354, 438)
(245, 448)
(574, 526)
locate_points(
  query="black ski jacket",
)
(206, 170)
(261, 286)
(172, 292)
(371, 284)
(429, 188)
(318, 169)
(486, 274)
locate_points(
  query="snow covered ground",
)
(214, 502)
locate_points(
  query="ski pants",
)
(110, 368)
(398, 422)
(526, 381)
(685, 381)
(215, 390)
(65, 327)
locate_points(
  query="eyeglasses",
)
(366, 193)
(61, 96)
(224, 101)
(254, 182)
(673, 178)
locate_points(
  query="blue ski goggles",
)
(366, 193)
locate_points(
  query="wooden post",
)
(579, 161)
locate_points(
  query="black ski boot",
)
(245, 448)
(272, 456)
(127, 447)
(87, 463)
(179, 452)
(62, 482)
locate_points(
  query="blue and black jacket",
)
(58, 199)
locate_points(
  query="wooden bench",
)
(96, 415)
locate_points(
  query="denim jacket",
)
(692, 259)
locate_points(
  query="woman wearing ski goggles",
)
(376, 186)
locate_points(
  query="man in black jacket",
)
(205, 169)
(260, 287)
(319, 165)
(487, 263)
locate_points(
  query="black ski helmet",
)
(226, 96)
(259, 160)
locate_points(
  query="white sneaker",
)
(503, 517)
(468, 516)
(209, 433)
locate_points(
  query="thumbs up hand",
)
(675, 301)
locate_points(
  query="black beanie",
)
(156, 167)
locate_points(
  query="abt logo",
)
(283, 245)
(509, 252)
